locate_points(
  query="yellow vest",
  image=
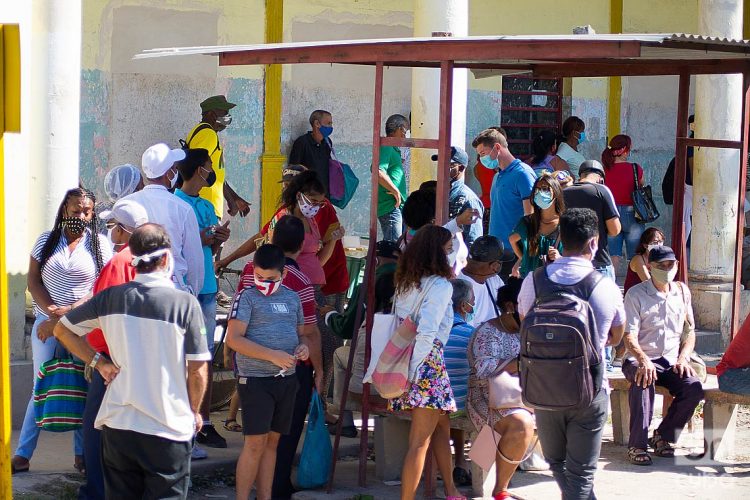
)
(203, 136)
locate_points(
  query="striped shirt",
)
(69, 276)
(294, 280)
(456, 360)
(152, 330)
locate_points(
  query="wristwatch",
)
(95, 360)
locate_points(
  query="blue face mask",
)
(469, 317)
(543, 199)
(488, 162)
(582, 137)
(326, 131)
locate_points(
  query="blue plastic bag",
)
(315, 460)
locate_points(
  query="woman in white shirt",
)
(574, 134)
(62, 269)
(422, 274)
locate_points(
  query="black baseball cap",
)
(591, 166)
(486, 249)
(387, 249)
(458, 155)
(661, 254)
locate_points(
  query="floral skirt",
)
(432, 389)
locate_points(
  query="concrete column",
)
(718, 110)
(55, 88)
(444, 17)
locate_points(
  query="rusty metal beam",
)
(709, 143)
(740, 204)
(680, 171)
(444, 141)
(640, 67)
(389, 52)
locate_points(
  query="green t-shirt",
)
(390, 163)
(530, 262)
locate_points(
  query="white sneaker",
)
(198, 453)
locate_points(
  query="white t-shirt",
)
(485, 298)
(152, 330)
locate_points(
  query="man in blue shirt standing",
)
(461, 196)
(511, 189)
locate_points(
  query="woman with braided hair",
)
(62, 269)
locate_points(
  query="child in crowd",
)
(264, 330)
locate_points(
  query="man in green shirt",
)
(392, 180)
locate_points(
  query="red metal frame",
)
(545, 58)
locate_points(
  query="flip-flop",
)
(232, 426)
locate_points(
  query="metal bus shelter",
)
(543, 56)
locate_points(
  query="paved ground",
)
(53, 477)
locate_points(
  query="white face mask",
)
(173, 181)
(306, 207)
(662, 276)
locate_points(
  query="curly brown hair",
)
(423, 256)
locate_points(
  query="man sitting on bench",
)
(734, 368)
(657, 311)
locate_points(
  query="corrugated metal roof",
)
(698, 43)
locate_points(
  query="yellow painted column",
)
(10, 121)
(615, 82)
(272, 161)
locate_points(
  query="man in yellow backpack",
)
(215, 117)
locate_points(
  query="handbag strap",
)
(494, 299)
(497, 444)
(636, 186)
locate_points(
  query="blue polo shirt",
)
(509, 188)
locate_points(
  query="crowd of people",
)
(137, 279)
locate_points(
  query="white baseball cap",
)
(158, 159)
(129, 213)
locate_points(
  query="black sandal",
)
(639, 456)
(662, 447)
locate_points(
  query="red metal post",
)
(377, 117)
(444, 141)
(680, 171)
(741, 204)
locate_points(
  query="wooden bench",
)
(719, 415)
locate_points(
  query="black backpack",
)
(560, 361)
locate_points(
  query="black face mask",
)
(211, 179)
(73, 225)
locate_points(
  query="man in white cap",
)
(174, 214)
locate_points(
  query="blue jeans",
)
(93, 488)
(735, 381)
(390, 224)
(630, 234)
(208, 307)
(41, 353)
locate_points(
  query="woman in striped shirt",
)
(62, 269)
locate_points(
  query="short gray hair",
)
(395, 122)
(462, 292)
(318, 115)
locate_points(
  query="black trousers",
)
(144, 466)
(285, 452)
